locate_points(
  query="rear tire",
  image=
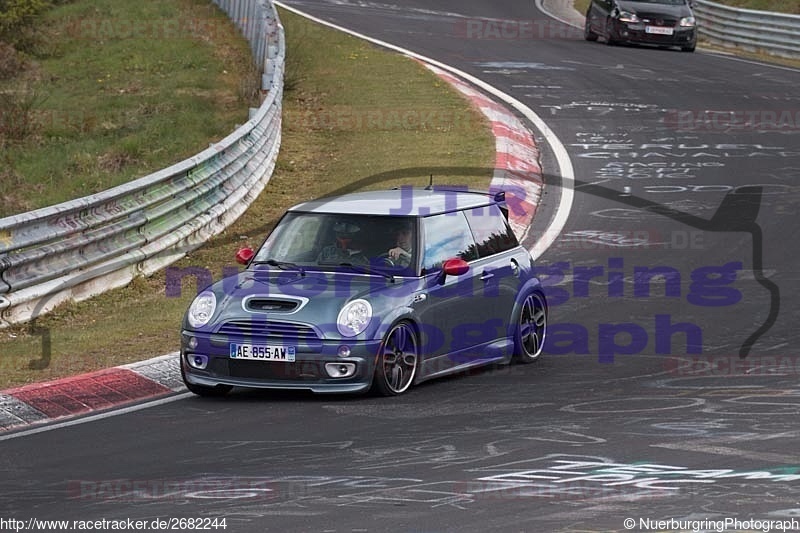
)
(689, 48)
(531, 328)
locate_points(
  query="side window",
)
(447, 236)
(491, 230)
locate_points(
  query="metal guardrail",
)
(774, 33)
(83, 247)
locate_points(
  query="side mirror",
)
(244, 255)
(455, 267)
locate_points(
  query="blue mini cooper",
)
(371, 290)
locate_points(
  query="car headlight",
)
(627, 16)
(688, 22)
(202, 309)
(354, 318)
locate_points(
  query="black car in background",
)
(658, 22)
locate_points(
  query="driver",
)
(400, 253)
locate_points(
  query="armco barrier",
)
(774, 33)
(80, 248)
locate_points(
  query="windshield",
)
(326, 241)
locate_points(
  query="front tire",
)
(531, 329)
(610, 41)
(397, 361)
(588, 34)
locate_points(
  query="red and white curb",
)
(517, 169)
(111, 388)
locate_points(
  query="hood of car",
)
(344, 283)
(313, 297)
(653, 9)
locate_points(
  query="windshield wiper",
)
(361, 268)
(283, 265)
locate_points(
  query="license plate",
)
(257, 352)
(660, 30)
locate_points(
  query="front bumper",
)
(307, 372)
(636, 33)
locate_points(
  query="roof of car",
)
(405, 201)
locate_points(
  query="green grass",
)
(581, 6)
(119, 90)
(352, 111)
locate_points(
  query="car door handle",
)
(486, 276)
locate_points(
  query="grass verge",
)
(351, 111)
(114, 90)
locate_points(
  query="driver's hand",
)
(395, 253)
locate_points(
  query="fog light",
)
(197, 361)
(192, 343)
(344, 351)
(340, 370)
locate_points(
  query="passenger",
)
(345, 248)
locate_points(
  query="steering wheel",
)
(386, 260)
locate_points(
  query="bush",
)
(11, 63)
(17, 110)
(18, 19)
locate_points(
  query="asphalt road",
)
(642, 408)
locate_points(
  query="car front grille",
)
(268, 329)
(653, 38)
(658, 20)
(275, 371)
